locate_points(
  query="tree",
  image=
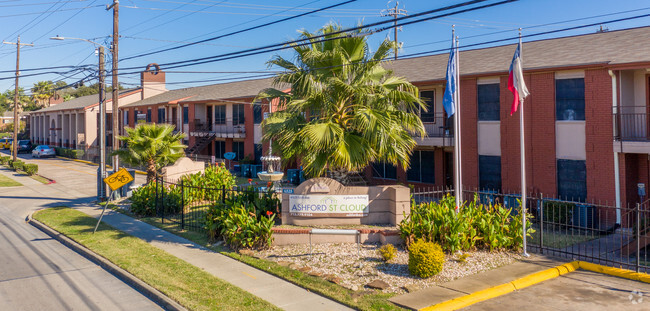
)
(344, 110)
(23, 100)
(42, 91)
(153, 146)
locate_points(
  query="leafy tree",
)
(344, 110)
(153, 146)
(23, 100)
(42, 91)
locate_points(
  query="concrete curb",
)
(532, 279)
(142, 287)
(95, 164)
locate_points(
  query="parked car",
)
(24, 146)
(43, 151)
(5, 143)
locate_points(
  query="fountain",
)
(272, 164)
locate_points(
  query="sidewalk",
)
(277, 291)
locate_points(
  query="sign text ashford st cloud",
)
(328, 205)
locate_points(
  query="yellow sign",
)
(118, 179)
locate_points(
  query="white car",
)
(43, 151)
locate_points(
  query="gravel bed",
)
(355, 268)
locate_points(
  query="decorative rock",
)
(304, 269)
(314, 273)
(246, 252)
(283, 263)
(411, 288)
(378, 284)
(294, 266)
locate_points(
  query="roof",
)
(613, 47)
(83, 102)
(214, 92)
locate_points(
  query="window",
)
(570, 99)
(422, 167)
(572, 179)
(238, 148)
(219, 149)
(125, 114)
(186, 115)
(384, 170)
(238, 114)
(161, 115)
(430, 114)
(258, 153)
(148, 114)
(489, 172)
(488, 102)
(257, 113)
(220, 114)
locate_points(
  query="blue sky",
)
(150, 25)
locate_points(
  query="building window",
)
(125, 114)
(430, 114)
(422, 167)
(384, 170)
(148, 114)
(219, 149)
(161, 115)
(257, 113)
(489, 172)
(220, 114)
(488, 102)
(238, 114)
(258, 153)
(572, 179)
(186, 115)
(238, 149)
(570, 99)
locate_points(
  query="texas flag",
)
(516, 83)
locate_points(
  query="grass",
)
(189, 285)
(559, 239)
(369, 301)
(8, 182)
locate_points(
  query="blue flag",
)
(449, 100)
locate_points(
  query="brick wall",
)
(540, 134)
(469, 142)
(510, 155)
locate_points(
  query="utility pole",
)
(14, 149)
(101, 186)
(116, 122)
(394, 12)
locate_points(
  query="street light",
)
(101, 171)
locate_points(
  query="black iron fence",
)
(589, 231)
(632, 126)
(186, 206)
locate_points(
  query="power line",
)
(168, 22)
(58, 10)
(241, 31)
(35, 4)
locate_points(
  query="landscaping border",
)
(532, 279)
(142, 287)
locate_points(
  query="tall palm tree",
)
(153, 146)
(344, 110)
(42, 91)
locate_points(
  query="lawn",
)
(8, 182)
(362, 300)
(189, 285)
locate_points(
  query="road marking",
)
(246, 274)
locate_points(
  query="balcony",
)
(439, 131)
(199, 129)
(632, 130)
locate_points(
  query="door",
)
(175, 117)
(449, 169)
(209, 118)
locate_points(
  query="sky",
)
(152, 25)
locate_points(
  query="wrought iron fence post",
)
(162, 206)
(638, 235)
(182, 206)
(541, 223)
(223, 194)
(156, 200)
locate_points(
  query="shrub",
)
(30, 169)
(425, 259)
(387, 252)
(17, 165)
(240, 228)
(4, 160)
(143, 200)
(76, 153)
(206, 185)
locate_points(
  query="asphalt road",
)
(39, 273)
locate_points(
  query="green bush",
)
(143, 200)
(240, 228)
(76, 153)
(387, 252)
(30, 169)
(17, 165)
(425, 259)
(560, 213)
(4, 160)
(474, 225)
(201, 186)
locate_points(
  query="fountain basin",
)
(270, 176)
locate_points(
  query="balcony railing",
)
(199, 128)
(632, 126)
(438, 125)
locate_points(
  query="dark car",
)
(24, 146)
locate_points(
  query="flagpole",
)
(523, 155)
(458, 146)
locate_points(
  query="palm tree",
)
(42, 91)
(344, 110)
(153, 146)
